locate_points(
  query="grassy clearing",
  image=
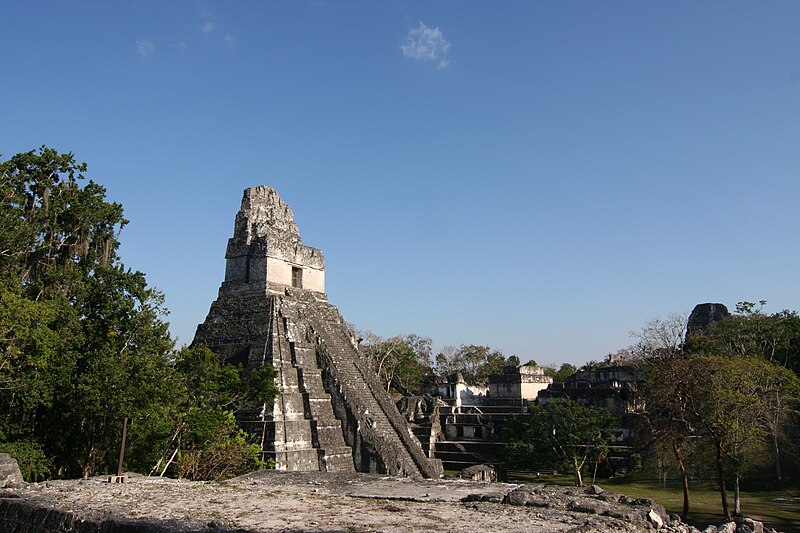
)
(779, 509)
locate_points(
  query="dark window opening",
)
(478, 432)
(297, 277)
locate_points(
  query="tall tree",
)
(750, 332)
(667, 393)
(77, 326)
(726, 400)
(659, 339)
(84, 344)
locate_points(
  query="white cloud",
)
(145, 48)
(208, 27)
(228, 40)
(426, 44)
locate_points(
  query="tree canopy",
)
(401, 362)
(731, 388)
(561, 434)
(475, 363)
(731, 403)
(749, 332)
(83, 339)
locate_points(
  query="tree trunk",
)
(682, 466)
(578, 476)
(778, 472)
(737, 502)
(723, 492)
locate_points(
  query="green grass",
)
(778, 509)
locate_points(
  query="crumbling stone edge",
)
(605, 511)
(38, 515)
(642, 513)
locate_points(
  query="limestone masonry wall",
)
(266, 246)
(331, 413)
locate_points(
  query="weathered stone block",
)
(10, 474)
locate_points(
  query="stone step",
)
(458, 466)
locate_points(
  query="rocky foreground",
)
(320, 502)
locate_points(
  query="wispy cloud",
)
(426, 44)
(208, 27)
(228, 40)
(145, 48)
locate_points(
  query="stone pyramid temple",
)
(332, 414)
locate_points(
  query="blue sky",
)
(539, 177)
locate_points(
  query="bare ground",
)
(319, 502)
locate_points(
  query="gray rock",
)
(654, 518)
(748, 525)
(10, 475)
(584, 507)
(480, 473)
(594, 489)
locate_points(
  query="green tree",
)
(667, 392)
(475, 363)
(560, 375)
(729, 402)
(83, 342)
(563, 433)
(733, 406)
(206, 441)
(54, 232)
(750, 332)
(401, 362)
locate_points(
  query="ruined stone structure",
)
(465, 426)
(615, 388)
(332, 414)
(517, 385)
(456, 391)
(703, 315)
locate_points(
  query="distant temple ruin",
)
(332, 413)
(615, 388)
(703, 316)
(462, 424)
